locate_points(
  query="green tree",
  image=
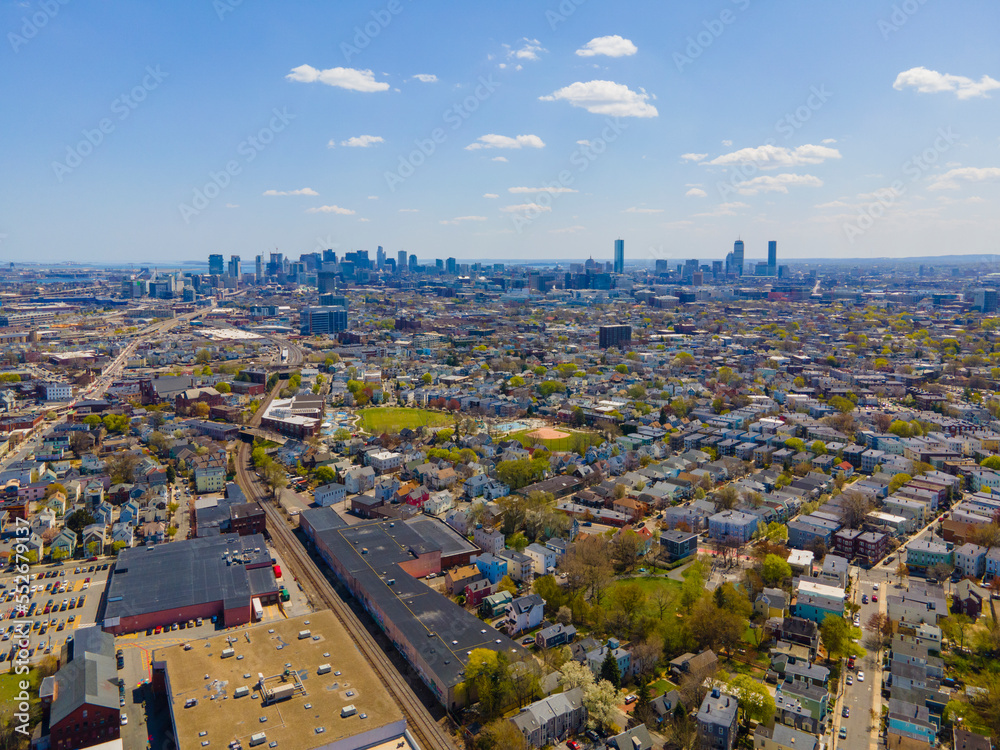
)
(897, 481)
(115, 423)
(774, 570)
(755, 700)
(835, 634)
(203, 357)
(507, 584)
(487, 673)
(991, 462)
(609, 670)
(325, 475)
(223, 388)
(841, 404)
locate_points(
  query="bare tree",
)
(855, 506)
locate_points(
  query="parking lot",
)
(72, 601)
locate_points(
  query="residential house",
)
(330, 494)
(492, 567)
(524, 613)
(555, 635)
(771, 603)
(456, 579)
(732, 525)
(359, 479)
(717, 717)
(489, 539)
(677, 545)
(970, 560)
(553, 719)
(783, 738)
(543, 559)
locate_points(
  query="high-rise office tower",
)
(235, 267)
(619, 266)
(413, 262)
(439, 264)
(380, 258)
(738, 257)
(452, 267)
(329, 256)
(772, 258)
(216, 265)
(401, 261)
(260, 267)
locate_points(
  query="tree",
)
(601, 699)
(121, 467)
(549, 589)
(991, 462)
(726, 498)
(325, 475)
(835, 634)
(487, 674)
(53, 489)
(171, 474)
(902, 572)
(775, 570)
(507, 584)
(626, 604)
(880, 628)
(588, 566)
(609, 669)
(939, 571)
(855, 507)
(203, 357)
(576, 675)
(626, 549)
(841, 404)
(898, 480)
(273, 476)
(223, 388)
(116, 423)
(501, 735)
(80, 441)
(754, 698)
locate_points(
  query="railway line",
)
(422, 726)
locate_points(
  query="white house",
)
(385, 461)
(57, 391)
(438, 502)
(458, 520)
(542, 558)
(385, 487)
(525, 613)
(330, 494)
(359, 479)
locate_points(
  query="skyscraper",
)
(380, 258)
(452, 267)
(235, 267)
(260, 267)
(401, 261)
(215, 265)
(619, 256)
(738, 257)
(772, 258)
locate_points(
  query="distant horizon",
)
(749, 262)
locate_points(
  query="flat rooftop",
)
(271, 649)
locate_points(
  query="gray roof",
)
(539, 712)
(201, 571)
(720, 709)
(89, 678)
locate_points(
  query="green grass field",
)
(559, 444)
(392, 419)
(649, 586)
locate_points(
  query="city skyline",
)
(533, 132)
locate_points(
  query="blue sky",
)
(498, 130)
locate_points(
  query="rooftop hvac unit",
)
(303, 634)
(348, 711)
(258, 739)
(323, 669)
(226, 653)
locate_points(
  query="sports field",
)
(567, 443)
(392, 419)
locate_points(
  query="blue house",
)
(492, 567)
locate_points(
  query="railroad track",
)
(428, 733)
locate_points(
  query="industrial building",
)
(208, 577)
(379, 562)
(297, 683)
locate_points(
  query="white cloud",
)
(634, 210)
(525, 208)
(931, 82)
(552, 189)
(568, 230)
(772, 157)
(500, 158)
(777, 183)
(527, 51)
(426, 77)
(409, 210)
(727, 142)
(490, 195)
(828, 141)
(373, 197)
(696, 193)
(492, 140)
(362, 141)
(232, 205)
(302, 191)
(364, 219)
(459, 219)
(345, 78)
(725, 209)
(693, 157)
(584, 142)
(683, 224)
(612, 46)
(605, 98)
(833, 204)
(950, 180)
(331, 210)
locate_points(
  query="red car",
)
(874, 597)
(573, 745)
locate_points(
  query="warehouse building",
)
(297, 683)
(215, 576)
(379, 562)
